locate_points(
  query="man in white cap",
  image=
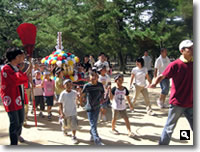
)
(181, 97)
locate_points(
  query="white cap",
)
(37, 71)
(66, 81)
(185, 44)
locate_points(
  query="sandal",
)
(131, 135)
(115, 132)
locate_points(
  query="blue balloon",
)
(46, 62)
(63, 61)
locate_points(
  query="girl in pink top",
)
(49, 88)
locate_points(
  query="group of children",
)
(95, 97)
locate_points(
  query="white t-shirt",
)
(147, 62)
(104, 79)
(68, 99)
(105, 63)
(161, 64)
(119, 102)
(140, 75)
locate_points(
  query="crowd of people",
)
(93, 91)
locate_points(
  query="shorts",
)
(70, 123)
(39, 100)
(164, 84)
(49, 100)
(122, 113)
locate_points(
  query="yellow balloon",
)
(71, 77)
(59, 55)
(63, 52)
(43, 60)
(70, 62)
(76, 59)
(51, 55)
(53, 62)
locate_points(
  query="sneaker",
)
(165, 106)
(74, 140)
(49, 117)
(159, 103)
(51, 114)
(115, 132)
(100, 143)
(151, 113)
(41, 115)
(21, 139)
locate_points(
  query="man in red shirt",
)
(181, 97)
(12, 92)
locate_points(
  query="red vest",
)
(10, 93)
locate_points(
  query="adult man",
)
(102, 61)
(12, 92)
(148, 63)
(161, 63)
(181, 97)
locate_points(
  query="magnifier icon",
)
(184, 134)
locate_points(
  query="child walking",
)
(106, 81)
(38, 92)
(118, 93)
(68, 110)
(93, 92)
(49, 87)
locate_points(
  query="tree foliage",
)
(120, 28)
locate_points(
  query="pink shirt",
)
(48, 87)
(182, 83)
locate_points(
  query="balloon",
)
(70, 62)
(66, 62)
(63, 61)
(76, 59)
(59, 63)
(59, 55)
(72, 56)
(51, 55)
(46, 62)
(56, 53)
(53, 62)
(69, 54)
(71, 77)
(65, 55)
(43, 60)
(68, 58)
(63, 52)
(46, 57)
(60, 58)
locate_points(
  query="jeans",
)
(16, 121)
(175, 112)
(93, 118)
(164, 84)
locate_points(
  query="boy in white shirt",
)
(68, 110)
(119, 105)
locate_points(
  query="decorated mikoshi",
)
(61, 58)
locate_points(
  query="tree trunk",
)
(121, 61)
